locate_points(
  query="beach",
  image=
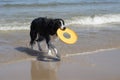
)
(79, 61)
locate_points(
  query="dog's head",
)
(57, 23)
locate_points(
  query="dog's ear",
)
(60, 20)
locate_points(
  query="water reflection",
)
(29, 70)
(44, 70)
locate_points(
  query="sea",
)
(85, 14)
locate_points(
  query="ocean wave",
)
(13, 28)
(95, 19)
(78, 20)
(37, 4)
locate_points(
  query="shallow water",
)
(14, 45)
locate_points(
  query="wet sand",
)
(102, 65)
(95, 56)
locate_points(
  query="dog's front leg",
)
(51, 47)
(39, 45)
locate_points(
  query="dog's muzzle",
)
(62, 26)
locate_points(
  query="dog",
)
(42, 28)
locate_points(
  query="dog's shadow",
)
(40, 55)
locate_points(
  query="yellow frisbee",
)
(68, 36)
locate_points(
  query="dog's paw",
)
(52, 52)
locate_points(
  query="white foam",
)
(96, 19)
(13, 25)
(79, 20)
(88, 53)
(13, 28)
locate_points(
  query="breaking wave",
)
(95, 19)
(78, 20)
(13, 25)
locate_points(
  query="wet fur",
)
(42, 28)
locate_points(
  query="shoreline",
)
(34, 58)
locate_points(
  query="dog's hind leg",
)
(40, 38)
(33, 36)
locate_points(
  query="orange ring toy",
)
(68, 36)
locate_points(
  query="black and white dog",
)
(42, 28)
